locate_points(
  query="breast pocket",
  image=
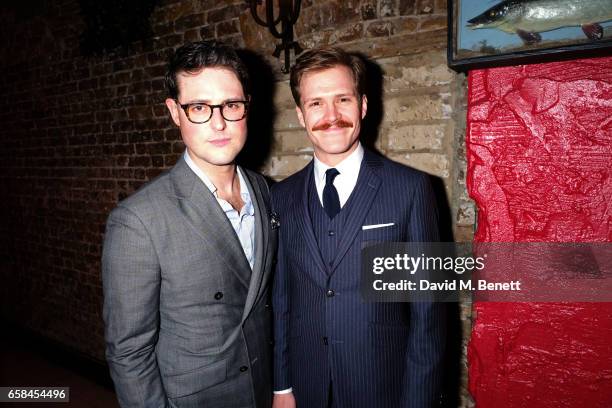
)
(372, 233)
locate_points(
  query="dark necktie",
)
(331, 201)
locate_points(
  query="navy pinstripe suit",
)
(376, 355)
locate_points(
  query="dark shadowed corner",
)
(261, 112)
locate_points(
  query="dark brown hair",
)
(319, 59)
(193, 57)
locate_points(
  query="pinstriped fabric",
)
(327, 232)
(377, 354)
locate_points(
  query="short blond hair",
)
(322, 58)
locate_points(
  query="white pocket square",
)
(368, 227)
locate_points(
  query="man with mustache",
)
(332, 349)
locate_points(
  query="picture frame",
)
(488, 33)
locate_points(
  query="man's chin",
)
(332, 132)
(225, 161)
(221, 159)
(334, 150)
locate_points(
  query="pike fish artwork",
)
(529, 18)
(499, 30)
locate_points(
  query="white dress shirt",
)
(243, 222)
(344, 182)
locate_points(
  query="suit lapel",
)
(305, 222)
(203, 212)
(362, 197)
(262, 223)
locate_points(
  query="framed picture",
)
(485, 33)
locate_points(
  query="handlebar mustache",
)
(326, 125)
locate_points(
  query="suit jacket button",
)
(218, 295)
(330, 293)
(267, 305)
(243, 369)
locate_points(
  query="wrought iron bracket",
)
(288, 13)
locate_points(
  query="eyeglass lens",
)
(201, 112)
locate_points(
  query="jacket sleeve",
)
(427, 319)
(281, 307)
(131, 282)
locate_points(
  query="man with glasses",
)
(187, 258)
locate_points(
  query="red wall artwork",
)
(539, 143)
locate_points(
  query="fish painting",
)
(529, 18)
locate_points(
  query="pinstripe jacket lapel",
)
(302, 214)
(362, 196)
(203, 212)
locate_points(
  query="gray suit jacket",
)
(187, 322)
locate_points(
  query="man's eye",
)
(198, 108)
(345, 99)
(232, 105)
(314, 104)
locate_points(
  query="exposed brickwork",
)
(78, 134)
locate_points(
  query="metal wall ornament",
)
(288, 13)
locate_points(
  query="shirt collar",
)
(244, 193)
(201, 175)
(349, 166)
(244, 190)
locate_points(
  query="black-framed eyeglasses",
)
(200, 112)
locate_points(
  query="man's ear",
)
(364, 105)
(300, 116)
(173, 107)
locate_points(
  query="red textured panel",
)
(539, 144)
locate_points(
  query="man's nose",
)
(331, 113)
(217, 121)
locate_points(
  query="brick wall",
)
(81, 132)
